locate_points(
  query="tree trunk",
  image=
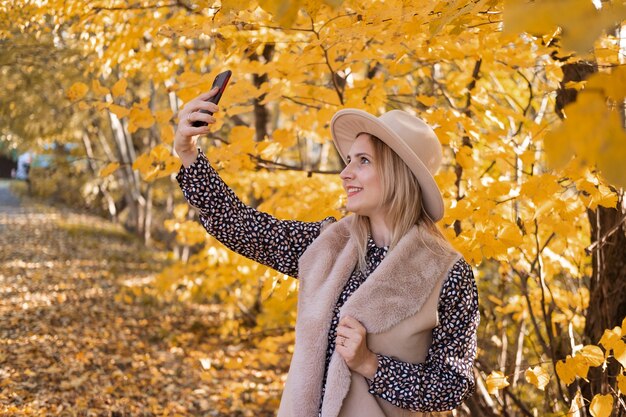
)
(607, 287)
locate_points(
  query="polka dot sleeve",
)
(446, 378)
(251, 233)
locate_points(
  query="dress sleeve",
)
(251, 233)
(446, 378)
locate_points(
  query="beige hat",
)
(409, 136)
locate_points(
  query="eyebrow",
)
(359, 154)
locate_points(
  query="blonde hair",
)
(402, 199)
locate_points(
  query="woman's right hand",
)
(185, 141)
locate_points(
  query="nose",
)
(346, 173)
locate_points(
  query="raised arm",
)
(251, 233)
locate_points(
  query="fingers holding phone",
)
(196, 117)
(197, 114)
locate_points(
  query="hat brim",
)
(346, 124)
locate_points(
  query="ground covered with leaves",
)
(82, 332)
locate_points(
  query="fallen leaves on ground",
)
(82, 333)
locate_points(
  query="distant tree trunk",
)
(261, 114)
(93, 168)
(607, 287)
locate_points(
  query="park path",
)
(82, 332)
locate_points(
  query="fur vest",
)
(397, 305)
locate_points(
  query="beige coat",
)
(397, 305)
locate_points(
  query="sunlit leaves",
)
(139, 116)
(98, 89)
(156, 163)
(119, 88)
(601, 405)
(592, 134)
(119, 111)
(593, 355)
(581, 23)
(496, 381)
(77, 91)
(187, 232)
(109, 169)
(621, 383)
(538, 377)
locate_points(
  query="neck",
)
(381, 233)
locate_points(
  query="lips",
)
(353, 190)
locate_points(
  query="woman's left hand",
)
(351, 343)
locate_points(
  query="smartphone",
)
(220, 82)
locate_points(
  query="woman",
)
(387, 310)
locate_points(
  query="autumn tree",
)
(521, 181)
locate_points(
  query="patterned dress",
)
(441, 383)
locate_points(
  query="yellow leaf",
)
(427, 101)
(119, 88)
(143, 162)
(98, 89)
(589, 116)
(537, 376)
(140, 117)
(610, 338)
(510, 235)
(235, 110)
(621, 383)
(242, 140)
(576, 85)
(601, 405)
(119, 111)
(286, 138)
(167, 133)
(109, 169)
(593, 355)
(269, 150)
(464, 157)
(565, 371)
(580, 365)
(163, 116)
(619, 352)
(613, 84)
(495, 381)
(77, 91)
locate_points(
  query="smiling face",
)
(361, 179)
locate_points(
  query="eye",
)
(364, 160)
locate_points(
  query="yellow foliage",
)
(156, 163)
(565, 370)
(621, 383)
(284, 137)
(593, 135)
(109, 169)
(538, 377)
(601, 405)
(77, 91)
(98, 89)
(140, 116)
(619, 352)
(167, 133)
(119, 88)
(580, 21)
(119, 111)
(187, 232)
(592, 354)
(496, 381)
(610, 338)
